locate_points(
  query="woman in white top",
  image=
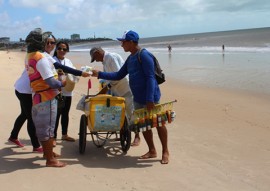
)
(59, 55)
(24, 94)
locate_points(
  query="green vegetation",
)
(22, 45)
(84, 40)
(12, 45)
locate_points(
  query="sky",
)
(110, 18)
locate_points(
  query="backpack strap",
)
(156, 63)
(139, 54)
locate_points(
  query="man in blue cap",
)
(144, 87)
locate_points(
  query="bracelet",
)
(109, 86)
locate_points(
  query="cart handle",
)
(137, 111)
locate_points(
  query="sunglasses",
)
(64, 49)
(50, 42)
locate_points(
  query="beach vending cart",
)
(161, 115)
(104, 116)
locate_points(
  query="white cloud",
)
(151, 17)
(4, 19)
(150, 7)
(11, 29)
(49, 6)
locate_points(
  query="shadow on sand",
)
(110, 156)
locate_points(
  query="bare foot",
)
(55, 155)
(165, 158)
(55, 163)
(54, 143)
(148, 155)
(136, 142)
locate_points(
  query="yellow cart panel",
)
(106, 113)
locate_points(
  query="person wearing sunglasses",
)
(24, 94)
(62, 48)
(63, 66)
(49, 47)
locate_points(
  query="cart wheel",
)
(125, 137)
(99, 139)
(82, 134)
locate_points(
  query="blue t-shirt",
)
(142, 79)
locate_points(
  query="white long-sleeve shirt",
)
(112, 62)
(65, 62)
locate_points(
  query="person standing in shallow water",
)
(144, 87)
(169, 48)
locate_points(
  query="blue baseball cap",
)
(130, 36)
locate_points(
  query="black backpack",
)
(160, 76)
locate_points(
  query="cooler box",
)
(106, 113)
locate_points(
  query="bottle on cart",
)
(173, 115)
(136, 125)
(148, 120)
(159, 120)
(142, 124)
(168, 113)
(164, 119)
(154, 120)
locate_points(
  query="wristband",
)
(109, 86)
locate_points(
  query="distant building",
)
(75, 37)
(4, 39)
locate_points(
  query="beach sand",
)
(220, 140)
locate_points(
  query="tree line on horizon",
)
(22, 44)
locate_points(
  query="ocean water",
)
(199, 59)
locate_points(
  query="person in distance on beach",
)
(169, 48)
(112, 62)
(144, 88)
